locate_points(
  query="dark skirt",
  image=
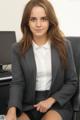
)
(33, 114)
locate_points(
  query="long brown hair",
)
(54, 33)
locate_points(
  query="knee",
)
(23, 116)
(52, 115)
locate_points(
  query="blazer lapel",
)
(31, 65)
(55, 61)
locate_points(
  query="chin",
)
(39, 34)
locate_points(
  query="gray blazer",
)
(22, 88)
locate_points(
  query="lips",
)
(38, 30)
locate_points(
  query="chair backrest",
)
(75, 42)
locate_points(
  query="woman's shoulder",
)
(67, 42)
(68, 45)
(15, 47)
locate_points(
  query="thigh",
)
(23, 116)
(52, 114)
(58, 114)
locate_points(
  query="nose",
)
(38, 23)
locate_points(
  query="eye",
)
(44, 18)
(33, 19)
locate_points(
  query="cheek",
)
(31, 26)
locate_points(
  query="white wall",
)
(10, 15)
(67, 12)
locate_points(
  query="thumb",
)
(35, 105)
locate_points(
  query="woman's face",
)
(38, 22)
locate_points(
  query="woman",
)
(44, 75)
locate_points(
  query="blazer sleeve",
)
(17, 83)
(70, 79)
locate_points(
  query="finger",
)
(38, 108)
(42, 110)
(36, 105)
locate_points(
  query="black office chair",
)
(75, 42)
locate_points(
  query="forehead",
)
(37, 11)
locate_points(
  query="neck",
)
(40, 41)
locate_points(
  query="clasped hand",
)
(44, 105)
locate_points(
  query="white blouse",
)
(43, 63)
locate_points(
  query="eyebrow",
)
(40, 17)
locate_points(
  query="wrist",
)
(52, 100)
